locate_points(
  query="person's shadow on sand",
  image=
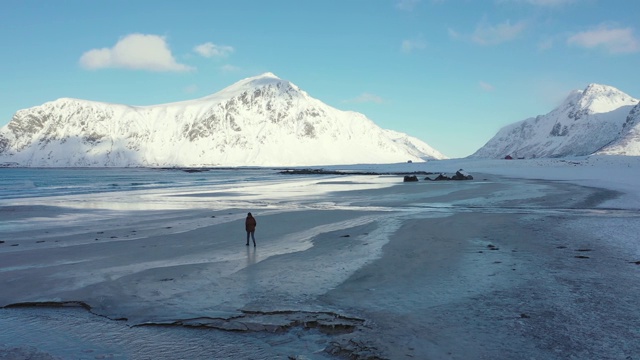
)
(251, 257)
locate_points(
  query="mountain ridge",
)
(258, 121)
(583, 124)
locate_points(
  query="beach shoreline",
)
(487, 268)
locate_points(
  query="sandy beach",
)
(359, 267)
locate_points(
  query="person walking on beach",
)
(250, 226)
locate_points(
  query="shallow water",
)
(34, 182)
(68, 212)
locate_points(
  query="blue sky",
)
(450, 72)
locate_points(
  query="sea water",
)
(18, 183)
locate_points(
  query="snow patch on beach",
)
(617, 173)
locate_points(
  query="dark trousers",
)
(252, 237)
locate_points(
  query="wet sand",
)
(497, 286)
(494, 268)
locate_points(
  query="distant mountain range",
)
(597, 120)
(259, 121)
(267, 121)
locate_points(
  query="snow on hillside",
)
(629, 141)
(416, 146)
(584, 123)
(259, 121)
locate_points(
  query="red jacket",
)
(250, 223)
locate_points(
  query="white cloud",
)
(134, 51)
(407, 5)
(413, 44)
(366, 98)
(613, 40)
(229, 68)
(486, 86)
(487, 34)
(210, 50)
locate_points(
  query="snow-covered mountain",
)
(583, 124)
(259, 121)
(628, 143)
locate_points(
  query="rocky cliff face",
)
(583, 124)
(259, 121)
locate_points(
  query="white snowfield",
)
(259, 121)
(629, 141)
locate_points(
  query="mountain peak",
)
(599, 88)
(267, 78)
(250, 84)
(268, 74)
(261, 80)
(600, 98)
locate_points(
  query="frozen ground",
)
(509, 265)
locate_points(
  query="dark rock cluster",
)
(459, 175)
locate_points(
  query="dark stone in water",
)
(458, 176)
